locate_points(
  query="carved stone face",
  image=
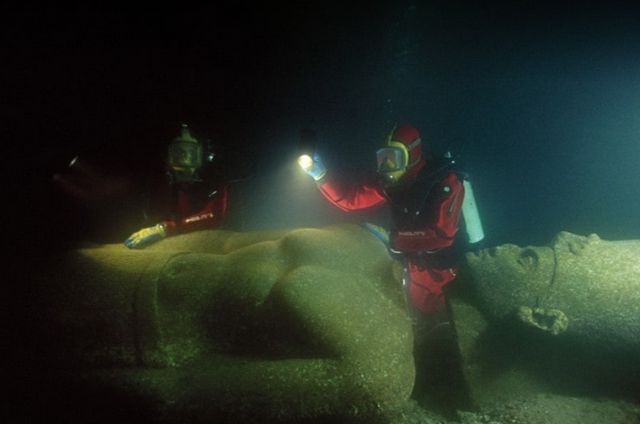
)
(532, 263)
(581, 276)
(538, 263)
(514, 263)
(508, 274)
(568, 312)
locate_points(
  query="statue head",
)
(573, 273)
(565, 314)
(509, 274)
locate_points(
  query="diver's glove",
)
(313, 166)
(146, 236)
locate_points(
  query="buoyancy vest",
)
(411, 203)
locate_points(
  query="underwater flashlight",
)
(306, 148)
(305, 161)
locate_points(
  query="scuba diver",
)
(192, 200)
(425, 197)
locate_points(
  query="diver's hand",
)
(146, 236)
(313, 166)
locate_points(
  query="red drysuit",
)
(194, 206)
(425, 209)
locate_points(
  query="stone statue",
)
(225, 326)
(559, 317)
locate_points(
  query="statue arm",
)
(352, 354)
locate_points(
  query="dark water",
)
(541, 103)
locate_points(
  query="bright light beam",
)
(305, 162)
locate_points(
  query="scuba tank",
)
(472, 222)
(470, 214)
